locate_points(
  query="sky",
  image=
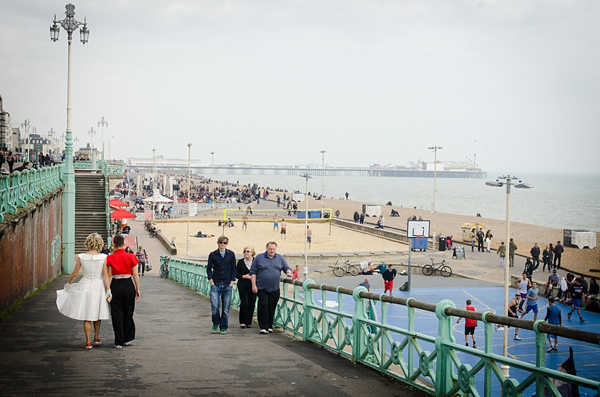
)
(275, 82)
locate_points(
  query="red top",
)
(121, 262)
(470, 322)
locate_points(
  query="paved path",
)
(174, 353)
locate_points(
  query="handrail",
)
(20, 188)
(398, 350)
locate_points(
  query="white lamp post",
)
(187, 247)
(70, 24)
(307, 177)
(322, 175)
(213, 177)
(25, 126)
(435, 149)
(521, 185)
(103, 123)
(92, 155)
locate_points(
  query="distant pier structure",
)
(421, 170)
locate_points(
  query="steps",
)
(90, 208)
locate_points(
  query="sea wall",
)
(30, 248)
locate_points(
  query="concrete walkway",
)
(174, 352)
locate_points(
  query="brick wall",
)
(30, 249)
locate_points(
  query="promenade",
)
(174, 352)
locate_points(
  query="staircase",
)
(90, 208)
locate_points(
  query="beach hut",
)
(467, 227)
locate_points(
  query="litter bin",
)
(442, 243)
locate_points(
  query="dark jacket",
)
(535, 251)
(241, 271)
(558, 250)
(221, 269)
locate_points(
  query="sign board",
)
(193, 209)
(459, 252)
(417, 229)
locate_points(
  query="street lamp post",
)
(435, 149)
(307, 177)
(213, 177)
(154, 184)
(187, 247)
(70, 24)
(520, 185)
(25, 126)
(103, 123)
(322, 175)
(92, 155)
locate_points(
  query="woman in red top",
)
(121, 268)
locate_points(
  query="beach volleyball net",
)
(263, 215)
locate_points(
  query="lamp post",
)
(307, 177)
(103, 123)
(213, 176)
(435, 149)
(70, 24)
(322, 175)
(52, 135)
(520, 185)
(187, 247)
(25, 126)
(92, 155)
(154, 185)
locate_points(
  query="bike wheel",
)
(428, 270)
(338, 271)
(446, 271)
(353, 270)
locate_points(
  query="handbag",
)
(148, 267)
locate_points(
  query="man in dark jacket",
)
(535, 255)
(221, 272)
(558, 250)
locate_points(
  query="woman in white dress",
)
(88, 299)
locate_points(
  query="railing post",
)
(411, 343)
(306, 311)
(540, 356)
(487, 374)
(360, 314)
(443, 368)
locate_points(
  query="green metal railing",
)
(20, 188)
(400, 352)
(82, 165)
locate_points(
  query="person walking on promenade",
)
(308, 236)
(535, 255)
(558, 250)
(577, 292)
(550, 256)
(244, 286)
(502, 253)
(472, 237)
(470, 325)
(361, 220)
(546, 259)
(512, 247)
(532, 301)
(356, 217)
(347, 195)
(523, 285)
(87, 299)
(388, 279)
(221, 272)
(480, 237)
(142, 258)
(265, 272)
(488, 240)
(283, 229)
(10, 159)
(121, 267)
(553, 317)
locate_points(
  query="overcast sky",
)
(276, 82)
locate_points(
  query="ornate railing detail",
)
(315, 313)
(82, 165)
(20, 188)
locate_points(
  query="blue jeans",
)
(220, 295)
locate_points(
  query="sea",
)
(557, 200)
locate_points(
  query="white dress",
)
(86, 300)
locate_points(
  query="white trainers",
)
(128, 343)
(517, 337)
(264, 331)
(270, 330)
(499, 328)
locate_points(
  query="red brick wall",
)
(26, 249)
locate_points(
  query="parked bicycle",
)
(444, 269)
(340, 270)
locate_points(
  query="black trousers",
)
(267, 302)
(557, 259)
(247, 302)
(536, 262)
(480, 245)
(121, 309)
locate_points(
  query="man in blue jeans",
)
(221, 271)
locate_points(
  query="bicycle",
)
(164, 269)
(444, 269)
(340, 270)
